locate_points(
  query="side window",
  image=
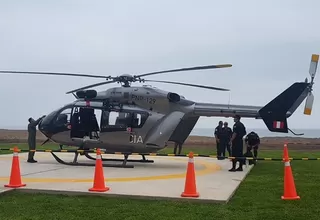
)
(139, 119)
(112, 118)
(113, 121)
(120, 121)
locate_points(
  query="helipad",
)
(165, 178)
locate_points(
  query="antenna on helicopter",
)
(127, 79)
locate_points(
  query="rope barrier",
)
(157, 154)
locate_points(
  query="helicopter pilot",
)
(32, 132)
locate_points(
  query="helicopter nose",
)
(41, 128)
(44, 126)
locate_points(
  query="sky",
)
(269, 44)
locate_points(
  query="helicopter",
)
(144, 119)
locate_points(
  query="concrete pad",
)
(165, 178)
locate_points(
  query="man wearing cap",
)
(239, 131)
(217, 135)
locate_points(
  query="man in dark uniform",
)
(236, 142)
(217, 135)
(225, 138)
(252, 141)
(32, 131)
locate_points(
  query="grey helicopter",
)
(143, 119)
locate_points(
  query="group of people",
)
(232, 141)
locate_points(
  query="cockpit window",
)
(49, 117)
(64, 117)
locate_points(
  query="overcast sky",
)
(269, 44)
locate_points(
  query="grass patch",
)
(257, 198)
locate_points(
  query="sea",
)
(307, 133)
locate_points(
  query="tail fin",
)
(276, 112)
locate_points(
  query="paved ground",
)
(164, 178)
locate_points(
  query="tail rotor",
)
(312, 72)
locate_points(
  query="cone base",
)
(15, 186)
(290, 198)
(190, 194)
(99, 190)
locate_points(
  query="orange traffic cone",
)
(190, 188)
(15, 176)
(99, 183)
(290, 192)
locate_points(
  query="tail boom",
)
(274, 114)
(221, 110)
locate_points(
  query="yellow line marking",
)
(209, 168)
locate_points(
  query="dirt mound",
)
(17, 136)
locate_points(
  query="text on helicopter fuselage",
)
(136, 139)
(143, 98)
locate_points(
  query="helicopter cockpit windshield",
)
(80, 121)
(84, 123)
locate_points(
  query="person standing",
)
(239, 131)
(32, 132)
(176, 146)
(225, 138)
(217, 135)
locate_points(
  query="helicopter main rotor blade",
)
(187, 84)
(54, 73)
(90, 86)
(187, 69)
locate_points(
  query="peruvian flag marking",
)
(278, 124)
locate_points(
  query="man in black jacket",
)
(252, 141)
(225, 138)
(239, 131)
(217, 135)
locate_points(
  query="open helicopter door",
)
(84, 123)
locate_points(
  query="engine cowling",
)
(173, 97)
(86, 94)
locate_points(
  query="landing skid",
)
(144, 160)
(123, 165)
(76, 163)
